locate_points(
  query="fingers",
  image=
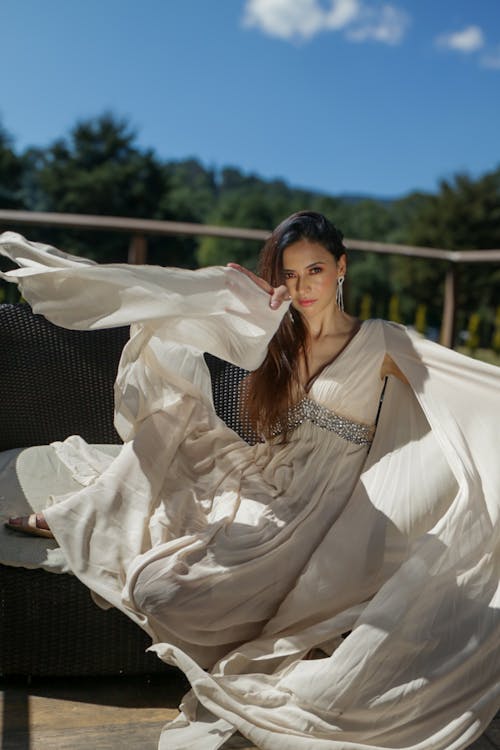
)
(237, 267)
(279, 295)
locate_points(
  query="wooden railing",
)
(139, 230)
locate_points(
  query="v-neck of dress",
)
(318, 373)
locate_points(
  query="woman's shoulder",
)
(382, 328)
(388, 329)
(387, 335)
(381, 323)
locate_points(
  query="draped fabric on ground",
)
(238, 560)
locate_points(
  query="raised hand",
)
(278, 294)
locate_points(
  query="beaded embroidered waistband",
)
(308, 410)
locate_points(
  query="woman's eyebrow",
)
(311, 265)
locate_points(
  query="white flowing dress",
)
(238, 560)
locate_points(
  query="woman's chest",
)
(351, 384)
(320, 355)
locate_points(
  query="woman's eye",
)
(316, 269)
(288, 275)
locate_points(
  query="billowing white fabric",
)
(238, 560)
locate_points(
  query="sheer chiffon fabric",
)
(238, 560)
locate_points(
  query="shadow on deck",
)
(105, 713)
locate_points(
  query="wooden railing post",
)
(449, 306)
(138, 249)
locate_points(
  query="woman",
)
(248, 560)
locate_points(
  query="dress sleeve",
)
(175, 316)
(460, 398)
(217, 310)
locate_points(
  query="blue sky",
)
(342, 96)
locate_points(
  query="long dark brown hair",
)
(273, 387)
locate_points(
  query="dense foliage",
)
(98, 168)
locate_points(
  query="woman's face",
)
(310, 273)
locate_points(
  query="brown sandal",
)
(29, 525)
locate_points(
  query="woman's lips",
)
(306, 302)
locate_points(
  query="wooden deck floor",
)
(87, 714)
(104, 714)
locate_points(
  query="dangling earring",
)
(339, 297)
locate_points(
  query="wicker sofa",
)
(55, 383)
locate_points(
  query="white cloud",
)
(285, 19)
(387, 25)
(295, 19)
(470, 39)
(342, 13)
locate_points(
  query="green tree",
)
(190, 197)
(365, 309)
(11, 197)
(192, 192)
(465, 214)
(368, 276)
(253, 212)
(495, 341)
(249, 202)
(11, 174)
(367, 219)
(98, 169)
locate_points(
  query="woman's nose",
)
(302, 284)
